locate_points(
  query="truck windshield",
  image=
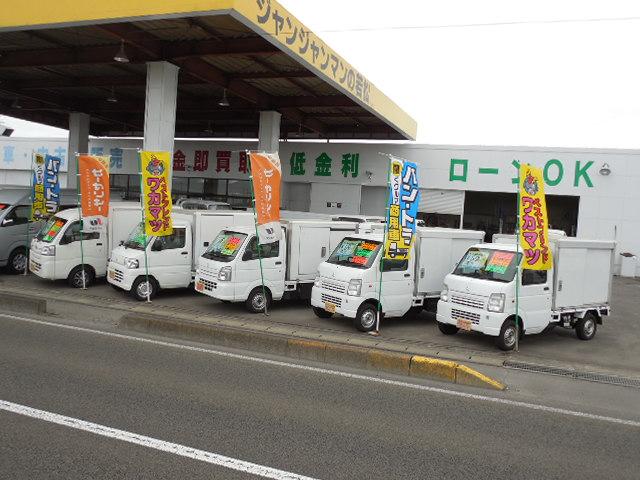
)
(137, 238)
(488, 264)
(51, 229)
(225, 247)
(355, 252)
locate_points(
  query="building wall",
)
(346, 172)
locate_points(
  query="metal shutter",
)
(441, 201)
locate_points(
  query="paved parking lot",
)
(616, 347)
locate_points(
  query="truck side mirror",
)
(7, 221)
(156, 247)
(121, 243)
(248, 255)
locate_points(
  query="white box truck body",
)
(349, 281)
(480, 294)
(230, 269)
(56, 252)
(169, 261)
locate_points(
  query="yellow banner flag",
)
(534, 224)
(156, 193)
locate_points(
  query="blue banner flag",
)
(404, 196)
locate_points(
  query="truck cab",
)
(230, 269)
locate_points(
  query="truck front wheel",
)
(142, 289)
(365, 320)
(322, 313)
(447, 328)
(586, 327)
(506, 340)
(258, 300)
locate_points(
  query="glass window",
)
(215, 189)
(488, 264)
(137, 238)
(177, 239)
(72, 234)
(534, 277)
(19, 215)
(394, 265)
(196, 187)
(133, 192)
(225, 246)
(355, 252)
(239, 202)
(269, 250)
(180, 186)
(239, 188)
(51, 229)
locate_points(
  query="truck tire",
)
(586, 327)
(447, 328)
(17, 261)
(506, 340)
(365, 320)
(256, 301)
(139, 288)
(322, 313)
(75, 276)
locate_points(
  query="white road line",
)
(149, 442)
(337, 373)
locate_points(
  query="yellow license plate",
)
(464, 324)
(112, 274)
(330, 307)
(199, 286)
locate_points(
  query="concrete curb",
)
(17, 303)
(314, 350)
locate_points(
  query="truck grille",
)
(118, 276)
(35, 266)
(337, 301)
(472, 317)
(208, 284)
(467, 301)
(333, 286)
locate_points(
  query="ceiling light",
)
(16, 104)
(605, 170)
(112, 98)
(224, 101)
(121, 56)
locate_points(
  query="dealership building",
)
(590, 193)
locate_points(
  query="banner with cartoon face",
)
(156, 193)
(533, 231)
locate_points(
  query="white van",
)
(480, 294)
(56, 250)
(171, 260)
(348, 282)
(230, 268)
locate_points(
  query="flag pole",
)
(518, 262)
(79, 206)
(26, 265)
(384, 241)
(144, 227)
(255, 223)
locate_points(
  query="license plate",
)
(199, 286)
(112, 274)
(464, 324)
(330, 307)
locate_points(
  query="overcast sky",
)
(497, 72)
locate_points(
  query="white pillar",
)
(269, 131)
(160, 107)
(78, 143)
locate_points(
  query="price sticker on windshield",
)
(499, 262)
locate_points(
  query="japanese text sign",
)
(499, 262)
(404, 196)
(156, 193)
(266, 174)
(46, 187)
(94, 190)
(533, 231)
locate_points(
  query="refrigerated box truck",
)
(480, 294)
(348, 282)
(56, 252)
(230, 268)
(168, 261)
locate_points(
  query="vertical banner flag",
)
(156, 193)
(404, 196)
(266, 173)
(534, 238)
(94, 190)
(46, 187)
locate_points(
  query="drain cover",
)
(567, 372)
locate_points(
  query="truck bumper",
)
(214, 288)
(122, 277)
(344, 304)
(481, 320)
(42, 267)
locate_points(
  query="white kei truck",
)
(348, 282)
(480, 294)
(230, 268)
(171, 260)
(56, 254)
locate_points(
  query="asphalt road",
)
(299, 420)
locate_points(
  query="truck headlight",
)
(354, 288)
(132, 263)
(317, 282)
(444, 294)
(48, 250)
(496, 303)
(224, 275)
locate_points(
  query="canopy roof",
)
(58, 57)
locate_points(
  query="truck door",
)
(170, 258)
(397, 286)
(273, 267)
(69, 254)
(535, 299)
